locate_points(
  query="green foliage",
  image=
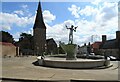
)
(26, 41)
(6, 37)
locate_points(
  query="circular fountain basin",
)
(79, 63)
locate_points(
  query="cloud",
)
(24, 6)
(102, 13)
(19, 12)
(68, 23)
(88, 11)
(14, 19)
(24, 11)
(5, 27)
(74, 9)
(58, 32)
(16, 36)
(96, 2)
(48, 16)
(109, 10)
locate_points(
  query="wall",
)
(7, 50)
(39, 40)
(51, 47)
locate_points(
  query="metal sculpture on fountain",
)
(70, 48)
(72, 28)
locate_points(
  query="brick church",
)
(41, 45)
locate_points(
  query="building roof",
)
(39, 23)
(51, 39)
(110, 44)
(7, 44)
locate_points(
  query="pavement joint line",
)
(115, 68)
(52, 75)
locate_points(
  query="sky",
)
(93, 19)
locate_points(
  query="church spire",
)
(39, 7)
(39, 22)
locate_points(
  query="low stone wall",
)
(73, 63)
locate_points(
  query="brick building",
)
(51, 46)
(111, 47)
(96, 47)
(8, 49)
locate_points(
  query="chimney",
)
(118, 35)
(104, 38)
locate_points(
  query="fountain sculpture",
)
(70, 48)
(71, 60)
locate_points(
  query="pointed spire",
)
(39, 6)
(39, 23)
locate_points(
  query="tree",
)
(6, 37)
(26, 41)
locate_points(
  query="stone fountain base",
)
(79, 63)
(71, 51)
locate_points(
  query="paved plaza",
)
(23, 68)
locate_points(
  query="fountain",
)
(71, 61)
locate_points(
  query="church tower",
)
(39, 32)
